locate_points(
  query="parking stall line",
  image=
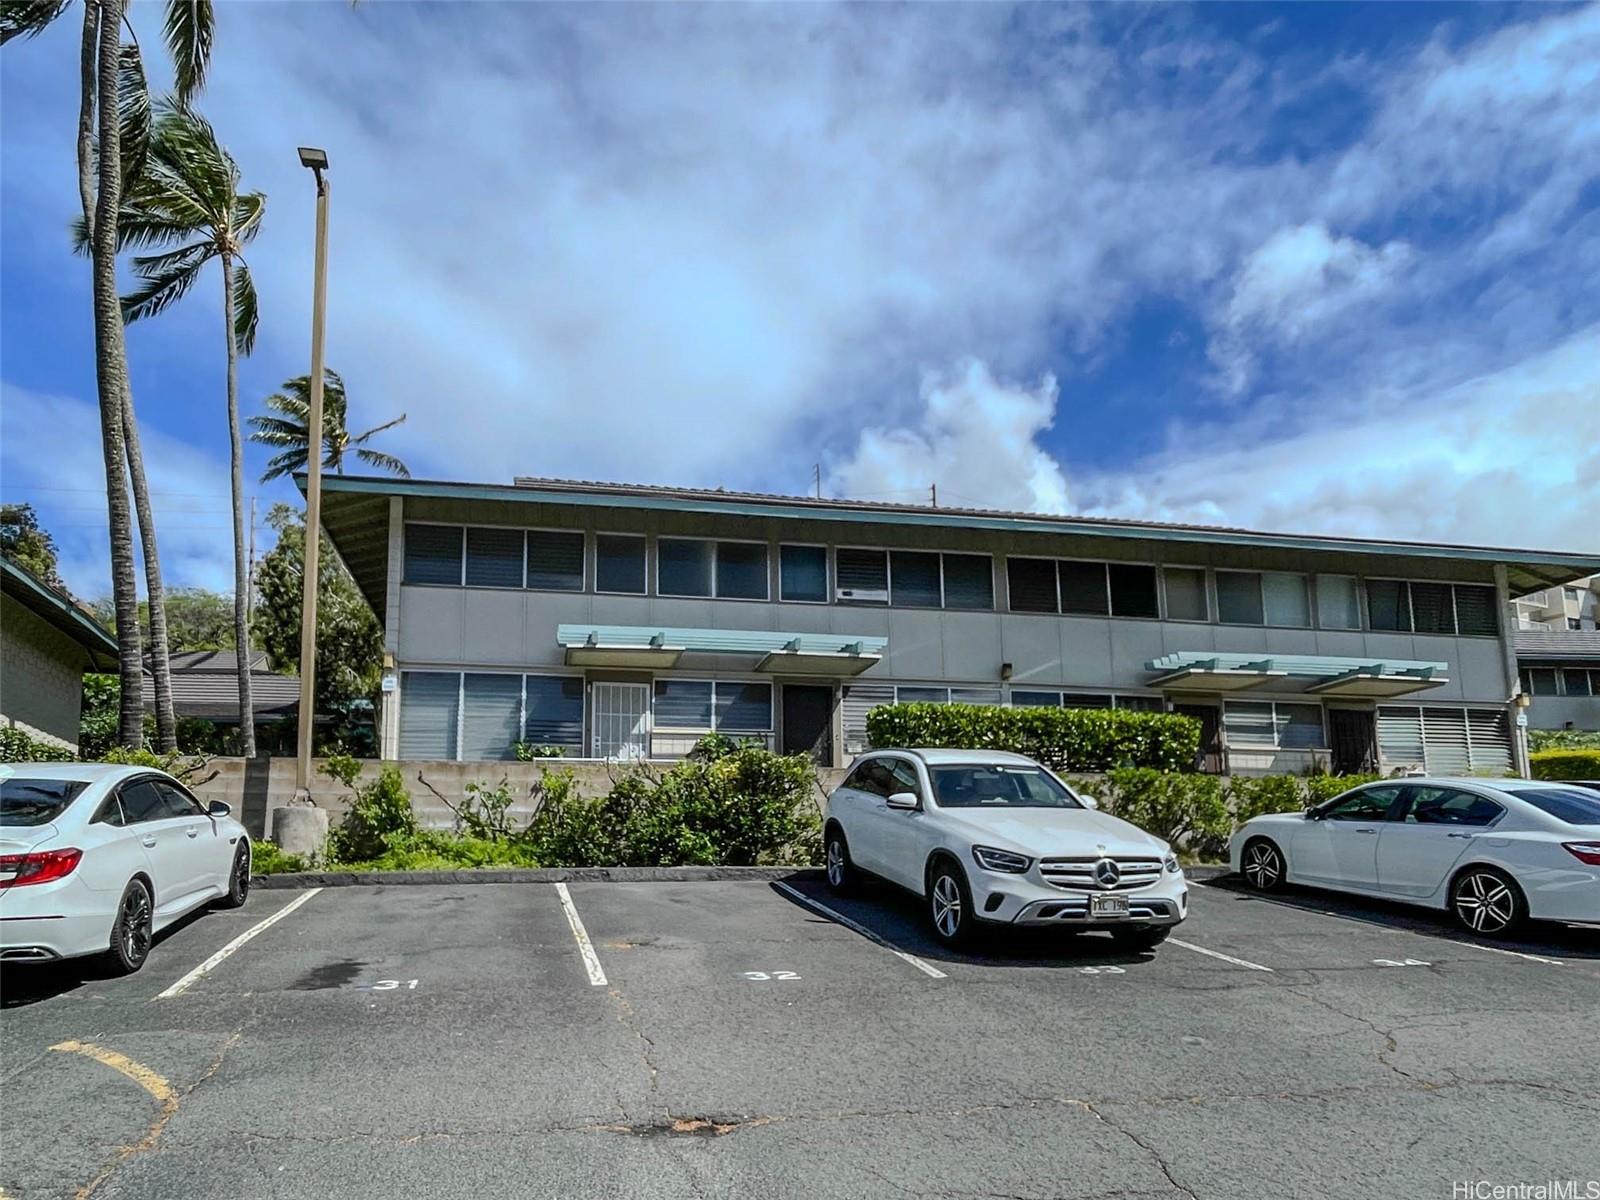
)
(591, 960)
(839, 918)
(210, 964)
(1227, 958)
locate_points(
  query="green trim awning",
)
(1328, 675)
(778, 653)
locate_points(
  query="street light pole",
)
(317, 162)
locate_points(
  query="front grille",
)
(1077, 874)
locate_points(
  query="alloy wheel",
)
(1484, 903)
(241, 874)
(1262, 866)
(835, 862)
(136, 925)
(946, 905)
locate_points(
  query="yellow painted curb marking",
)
(149, 1080)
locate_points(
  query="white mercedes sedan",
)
(989, 838)
(98, 859)
(1494, 852)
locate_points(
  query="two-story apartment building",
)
(620, 621)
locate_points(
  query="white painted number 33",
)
(768, 976)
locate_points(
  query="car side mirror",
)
(1312, 814)
(218, 808)
(1088, 800)
(906, 800)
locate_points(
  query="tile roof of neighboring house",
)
(205, 683)
(1558, 643)
(61, 610)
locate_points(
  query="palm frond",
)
(165, 278)
(187, 31)
(247, 213)
(384, 462)
(244, 308)
(357, 440)
(27, 18)
(191, 163)
(133, 113)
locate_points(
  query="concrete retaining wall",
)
(253, 787)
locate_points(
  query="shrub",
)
(1178, 808)
(745, 807)
(182, 767)
(1326, 787)
(379, 817)
(1563, 739)
(1254, 796)
(485, 811)
(1566, 764)
(1065, 739)
(528, 752)
(267, 859)
(430, 850)
(18, 746)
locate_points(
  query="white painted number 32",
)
(768, 976)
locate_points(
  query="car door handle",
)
(193, 832)
(1459, 835)
(1366, 831)
(148, 839)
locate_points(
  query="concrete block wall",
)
(253, 787)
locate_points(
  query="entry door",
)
(621, 720)
(1209, 759)
(808, 721)
(1354, 744)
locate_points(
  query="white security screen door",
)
(621, 720)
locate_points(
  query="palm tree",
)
(288, 432)
(188, 197)
(113, 113)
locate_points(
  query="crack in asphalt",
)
(1155, 1155)
(628, 1017)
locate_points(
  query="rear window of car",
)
(1572, 805)
(25, 801)
(998, 787)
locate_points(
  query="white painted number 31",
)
(389, 985)
(768, 976)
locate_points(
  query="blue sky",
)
(1311, 267)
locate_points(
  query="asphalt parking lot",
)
(711, 1039)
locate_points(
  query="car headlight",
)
(1172, 864)
(991, 859)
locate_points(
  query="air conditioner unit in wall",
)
(847, 595)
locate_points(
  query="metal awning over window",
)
(826, 654)
(1323, 675)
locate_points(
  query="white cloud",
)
(1293, 284)
(976, 438)
(50, 456)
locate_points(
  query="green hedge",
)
(1065, 739)
(1186, 810)
(1566, 764)
(17, 746)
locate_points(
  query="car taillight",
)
(1587, 852)
(18, 870)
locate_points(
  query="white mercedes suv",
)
(990, 837)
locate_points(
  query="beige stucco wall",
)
(41, 676)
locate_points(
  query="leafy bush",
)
(1065, 739)
(1254, 796)
(1183, 809)
(528, 752)
(431, 850)
(18, 746)
(379, 817)
(1563, 739)
(484, 813)
(1326, 787)
(267, 859)
(1566, 764)
(745, 807)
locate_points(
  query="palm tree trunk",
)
(160, 663)
(100, 86)
(241, 582)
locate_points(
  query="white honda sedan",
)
(97, 859)
(989, 838)
(1492, 852)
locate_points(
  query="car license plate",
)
(1108, 906)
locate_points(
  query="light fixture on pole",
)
(317, 162)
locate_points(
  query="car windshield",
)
(1572, 805)
(998, 786)
(36, 801)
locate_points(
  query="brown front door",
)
(808, 721)
(1209, 759)
(1354, 744)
